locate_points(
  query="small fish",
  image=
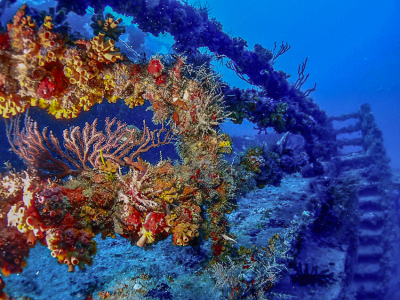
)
(127, 134)
(228, 238)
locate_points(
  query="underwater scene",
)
(166, 149)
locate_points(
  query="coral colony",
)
(110, 190)
(93, 180)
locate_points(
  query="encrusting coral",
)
(110, 189)
(66, 77)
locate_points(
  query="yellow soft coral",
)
(103, 50)
(42, 103)
(21, 29)
(78, 71)
(169, 195)
(109, 82)
(182, 233)
(131, 102)
(10, 105)
(86, 103)
(60, 112)
(109, 167)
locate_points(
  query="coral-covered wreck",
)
(92, 181)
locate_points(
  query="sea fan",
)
(305, 276)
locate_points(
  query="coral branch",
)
(82, 149)
(282, 50)
(302, 78)
(309, 91)
(36, 149)
(232, 65)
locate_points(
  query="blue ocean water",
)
(353, 53)
(352, 49)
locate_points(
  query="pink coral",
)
(155, 67)
(161, 79)
(155, 223)
(45, 89)
(134, 219)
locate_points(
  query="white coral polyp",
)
(15, 217)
